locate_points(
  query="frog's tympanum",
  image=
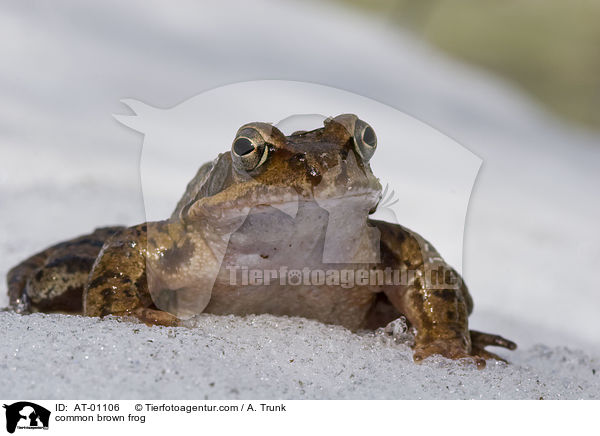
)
(277, 225)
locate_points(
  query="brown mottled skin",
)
(301, 201)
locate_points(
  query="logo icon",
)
(26, 415)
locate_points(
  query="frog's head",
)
(329, 165)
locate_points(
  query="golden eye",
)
(365, 140)
(249, 150)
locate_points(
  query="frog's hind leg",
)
(53, 280)
(17, 277)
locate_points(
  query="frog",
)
(272, 203)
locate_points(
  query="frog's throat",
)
(344, 230)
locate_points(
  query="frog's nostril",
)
(314, 175)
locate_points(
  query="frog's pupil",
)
(369, 136)
(242, 146)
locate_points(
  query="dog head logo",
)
(26, 415)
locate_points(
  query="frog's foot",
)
(450, 348)
(152, 317)
(458, 348)
(481, 340)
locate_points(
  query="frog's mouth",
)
(359, 203)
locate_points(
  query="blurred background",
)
(514, 81)
(547, 48)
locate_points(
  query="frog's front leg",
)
(159, 272)
(118, 283)
(433, 298)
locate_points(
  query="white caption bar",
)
(377, 418)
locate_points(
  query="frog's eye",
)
(249, 150)
(365, 140)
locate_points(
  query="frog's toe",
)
(482, 340)
(485, 355)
